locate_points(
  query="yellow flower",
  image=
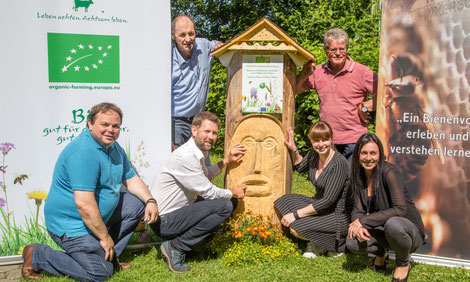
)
(37, 195)
(20, 251)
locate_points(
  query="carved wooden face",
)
(261, 164)
(262, 169)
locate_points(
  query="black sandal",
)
(379, 268)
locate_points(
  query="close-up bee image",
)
(423, 104)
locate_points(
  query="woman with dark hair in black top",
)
(384, 216)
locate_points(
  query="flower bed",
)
(249, 238)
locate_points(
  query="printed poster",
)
(423, 114)
(59, 58)
(262, 83)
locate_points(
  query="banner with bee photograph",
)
(58, 59)
(423, 113)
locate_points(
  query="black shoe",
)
(404, 279)
(379, 268)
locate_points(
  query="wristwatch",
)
(364, 109)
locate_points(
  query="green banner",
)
(83, 58)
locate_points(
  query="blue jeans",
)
(346, 150)
(189, 225)
(84, 258)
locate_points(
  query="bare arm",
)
(137, 187)
(371, 104)
(91, 216)
(307, 70)
(290, 144)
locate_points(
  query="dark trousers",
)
(399, 234)
(84, 258)
(189, 225)
(180, 131)
(346, 150)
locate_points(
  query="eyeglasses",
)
(333, 50)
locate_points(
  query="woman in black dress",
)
(323, 219)
(384, 215)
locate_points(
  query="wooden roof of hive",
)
(263, 31)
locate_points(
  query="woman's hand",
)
(288, 219)
(290, 143)
(354, 228)
(363, 235)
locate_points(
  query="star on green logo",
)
(83, 58)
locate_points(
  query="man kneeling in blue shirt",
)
(86, 213)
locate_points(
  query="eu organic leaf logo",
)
(83, 58)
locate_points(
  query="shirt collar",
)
(199, 154)
(347, 68)
(96, 144)
(179, 58)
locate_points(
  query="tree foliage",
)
(303, 20)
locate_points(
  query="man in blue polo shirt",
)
(86, 213)
(191, 67)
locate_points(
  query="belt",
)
(188, 119)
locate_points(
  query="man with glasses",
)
(342, 86)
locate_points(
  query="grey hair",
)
(336, 34)
(173, 22)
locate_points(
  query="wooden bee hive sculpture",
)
(261, 77)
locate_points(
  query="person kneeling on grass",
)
(190, 206)
(86, 213)
(384, 215)
(321, 220)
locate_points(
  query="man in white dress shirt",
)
(190, 206)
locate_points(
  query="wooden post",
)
(266, 167)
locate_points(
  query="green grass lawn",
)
(148, 264)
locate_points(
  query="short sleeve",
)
(127, 169)
(309, 82)
(370, 82)
(83, 171)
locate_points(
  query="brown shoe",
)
(118, 266)
(28, 271)
(125, 265)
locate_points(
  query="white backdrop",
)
(37, 115)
